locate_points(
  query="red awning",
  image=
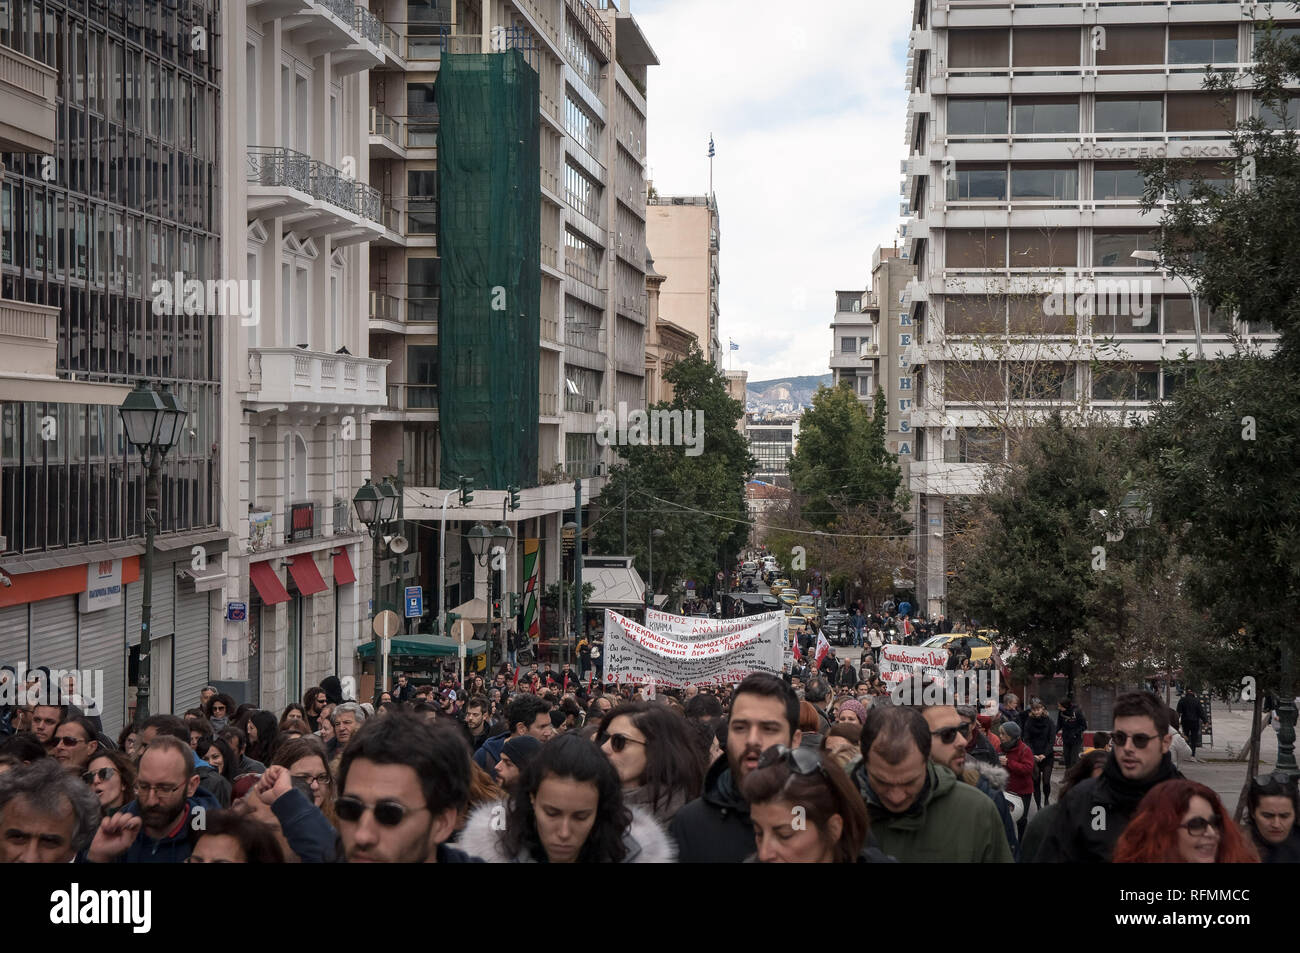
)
(306, 575)
(268, 584)
(343, 572)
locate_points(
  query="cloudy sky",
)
(806, 105)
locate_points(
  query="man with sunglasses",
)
(715, 828)
(402, 784)
(1096, 811)
(920, 812)
(158, 826)
(951, 734)
(74, 744)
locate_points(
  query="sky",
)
(806, 104)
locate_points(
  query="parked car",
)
(838, 627)
(807, 600)
(808, 614)
(981, 648)
(781, 582)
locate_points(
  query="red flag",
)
(797, 653)
(823, 648)
(516, 682)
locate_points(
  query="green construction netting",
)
(489, 236)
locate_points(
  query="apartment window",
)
(420, 449)
(1047, 47)
(978, 382)
(1042, 381)
(974, 445)
(1125, 382)
(1029, 314)
(302, 116)
(582, 194)
(422, 201)
(848, 345)
(864, 386)
(1130, 114)
(1117, 180)
(976, 49)
(421, 376)
(422, 115)
(252, 473)
(1125, 307)
(1203, 44)
(1214, 175)
(581, 258)
(975, 247)
(977, 117)
(581, 126)
(1114, 249)
(423, 288)
(1180, 319)
(1133, 46)
(1044, 247)
(1045, 116)
(1195, 112)
(1289, 111)
(1045, 182)
(978, 181)
(251, 104)
(336, 311)
(848, 303)
(974, 314)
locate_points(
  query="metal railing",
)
(278, 167)
(387, 127)
(342, 522)
(391, 218)
(412, 396)
(385, 307)
(368, 25)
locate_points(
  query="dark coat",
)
(1190, 712)
(715, 827)
(1039, 734)
(309, 834)
(1071, 724)
(1076, 837)
(1287, 852)
(175, 849)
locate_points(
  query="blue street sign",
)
(816, 592)
(237, 611)
(414, 602)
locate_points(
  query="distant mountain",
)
(796, 392)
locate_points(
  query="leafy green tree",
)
(697, 500)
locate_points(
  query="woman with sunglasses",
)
(654, 756)
(805, 810)
(1273, 803)
(1182, 822)
(568, 808)
(219, 710)
(111, 775)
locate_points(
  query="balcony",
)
(27, 103)
(414, 402)
(292, 378)
(313, 198)
(387, 136)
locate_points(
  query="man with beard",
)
(46, 718)
(949, 731)
(715, 827)
(159, 826)
(402, 784)
(474, 719)
(210, 778)
(1096, 811)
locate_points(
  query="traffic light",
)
(514, 497)
(496, 608)
(466, 490)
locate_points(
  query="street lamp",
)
(1154, 257)
(153, 419)
(480, 542)
(650, 568)
(388, 501)
(376, 506)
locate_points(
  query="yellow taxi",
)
(980, 644)
(782, 583)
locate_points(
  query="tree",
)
(842, 461)
(698, 499)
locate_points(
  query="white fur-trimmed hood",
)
(996, 775)
(647, 841)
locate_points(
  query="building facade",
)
(773, 441)
(683, 230)
(1024, 130)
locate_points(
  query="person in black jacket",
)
(1040, 734)
(1071, 724)
(1093, 815)
(1191, 714)
(1274, 808)
(715, 827)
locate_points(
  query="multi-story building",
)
(111, 151)
(683, 230)
(581, 335)
(666, 343)
(772, 441)
(1024, 130)
(855, 346)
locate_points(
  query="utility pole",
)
(580, 627)
(624, 512)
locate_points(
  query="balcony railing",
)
(422, 311)
(412, 396)
(385, 307)
(368, 25)
(278, 167)
(385, 126)
(343, 9)
(548, 405)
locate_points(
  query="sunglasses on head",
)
(618, 742)
(801, 761)
(387, 813)
(949, 735)
(1140, 740)
(1274, 777)
(103, 774)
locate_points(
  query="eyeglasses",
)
(67, 741)
(801, 761)
(619, 742)
(1140, 741)
(164, 790)
(103, 774)
(387, 813)
(1197, 826)
(1274, 777)
(218, 709)
(949, 735)
(321, 780)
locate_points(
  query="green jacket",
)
(951, 822)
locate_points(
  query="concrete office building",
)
(683, 230)
(1024, 129)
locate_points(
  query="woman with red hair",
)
(1182, 822)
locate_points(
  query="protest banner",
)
(673, 658)
(898, 662)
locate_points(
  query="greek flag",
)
(711, 149)
(734, 345)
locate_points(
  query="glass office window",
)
(1129, 114)
(1045, 182)
(1044, 116)
(977, 117)
(1203, 44)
